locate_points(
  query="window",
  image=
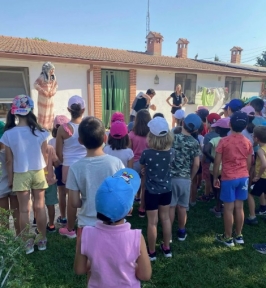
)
(233, 86)
(13, 81)
(188, 83)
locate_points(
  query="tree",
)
(261, 61)
(216, 58)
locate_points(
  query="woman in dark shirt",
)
(177, 96)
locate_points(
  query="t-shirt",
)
(123, 154)
(86, 175)
(113, 251)
(177, 99)
(50, 177)
(215, 141)
(138, 144)
(207, 139)
(52, 142)
(186, 148)
(205, 130)
(26, 148)
(4, 188)
(235, 150)
(139, 103)
(258, 120)
(258, 163)
(158, 175)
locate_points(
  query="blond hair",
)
(160, 143)
(179, 85)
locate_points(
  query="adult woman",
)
(177, 96)
(46, 86)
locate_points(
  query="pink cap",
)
(76, 100)
(118, 116)
(60, 120)
(249, 110)
(223, 123)
(118, 130)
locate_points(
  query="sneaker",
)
(229, 242)
(181, 235)
(152, 256)
(261, 248)
(34, 223)
(41, 242)
(142, 214)
(62, 221)
(203, 198)
(260, 211)
(167, 253)
(217, 214)
(249, 221)
(29, 246)
(50, 228)
(70, 234)
(239, 239)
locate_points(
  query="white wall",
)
(251, 89)
(71, 78)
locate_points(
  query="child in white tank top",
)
(68, 148)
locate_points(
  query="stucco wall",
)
(71, 78)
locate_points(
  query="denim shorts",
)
(236, 189)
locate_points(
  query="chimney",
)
(182, 44)
(236, 54)
(154, 43)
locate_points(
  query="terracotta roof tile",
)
(11, 45)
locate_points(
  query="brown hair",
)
(260, 133)
(141, 123)
(160, 143)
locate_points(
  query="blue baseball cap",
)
(193, 121)
(115, 196)
(235, 105)
(251, 99)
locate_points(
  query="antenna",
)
(148, 19)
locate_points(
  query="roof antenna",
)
(148, 22)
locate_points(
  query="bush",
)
(15, 270)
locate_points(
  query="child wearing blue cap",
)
(111, 253)
(235, 154)
(8, 199)
(184, 168)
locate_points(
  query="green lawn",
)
(197, 262)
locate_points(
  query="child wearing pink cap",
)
(69, 151)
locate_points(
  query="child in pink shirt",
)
(235, 154)
(118, 256)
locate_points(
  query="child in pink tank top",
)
(118, 256)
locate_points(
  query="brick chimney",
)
(182, 44)
(236, 54)
(154, 44)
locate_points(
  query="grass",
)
(197, 262)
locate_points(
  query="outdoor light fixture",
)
(156, 79)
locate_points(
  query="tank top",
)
(113, 254)
(72, 149)
(258, 164)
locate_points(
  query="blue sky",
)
(211, 26)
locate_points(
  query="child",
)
(211, 119)
(138, 143)
(179, 116)
(158, 114)
(118, 256)
(117, 116)
(221, 127)
(8, 199)
(203, 112)
(259, 181)
(258, 105)
(234, 105)
(118, 142)
(58, 121)
(234, 152)
(69, 151)
(156, 162)
(25, 146)
(86, 175)
(184, 168)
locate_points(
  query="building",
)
(109, 79)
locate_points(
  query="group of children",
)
(103, 174)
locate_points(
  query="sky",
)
(212, 27)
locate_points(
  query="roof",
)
(236, 48)
(182, 41)
(154, 34)
(22, 47)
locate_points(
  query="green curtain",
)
(115, 94)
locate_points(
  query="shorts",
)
(153, 201)
(136, 167)
(26, 181)
(51, 195)
(232, 190)
(64, 173)
(58, 175)
(206, 171)
(180, 192)
(174, 109)
(259, 187)
(200, 169)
